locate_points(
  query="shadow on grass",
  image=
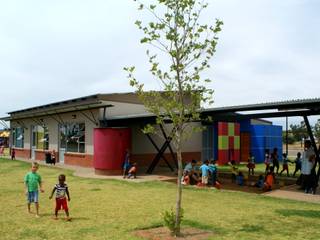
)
(202, 226)
(253, 229)
(298, 212)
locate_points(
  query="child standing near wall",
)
(32, 181)
(251, 164)
(285, 166)
(62, 191)
(267, 160)
(13, 154)
(234, 170)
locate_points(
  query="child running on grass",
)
(61, 192)
(32, 181)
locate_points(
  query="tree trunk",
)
(179, 193)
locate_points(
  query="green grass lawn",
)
(110, 209)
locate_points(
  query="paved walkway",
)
(292, 192)
(89, 173)
(288, 192)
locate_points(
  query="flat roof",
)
(298, 107)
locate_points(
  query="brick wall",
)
(78, 159)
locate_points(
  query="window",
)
(72, 137)
(40, 137)
(17, 136)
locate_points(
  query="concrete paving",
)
(288, 192)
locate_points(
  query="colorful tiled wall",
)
(228, 142)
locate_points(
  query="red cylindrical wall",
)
(110, 145)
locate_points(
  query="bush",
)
(169, 218)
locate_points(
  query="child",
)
(267, 160)
(13, 154)
(269, 180)
(185, 178)
(251, 164)
(297, 164)
(32, 180)
(204, 173)
(126, 164)
(133, 171)
(260, 182)
(240, 179)
(234, 170)
(61, 191)
(212, 172)
(285, 164)
(53, 157)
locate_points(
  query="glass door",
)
(33, 142)
(62, 142)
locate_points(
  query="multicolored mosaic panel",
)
(228, 142)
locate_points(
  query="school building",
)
(94, 131)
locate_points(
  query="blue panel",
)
(258, 154)
(257, 142)
(245, 126)
(215, 141)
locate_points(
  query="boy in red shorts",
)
(61, 192)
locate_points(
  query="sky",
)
(269, 50)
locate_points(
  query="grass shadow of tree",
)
(253, 229)
(299, 212)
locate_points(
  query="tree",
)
(185, 47)
(299, 131)
(317, 130)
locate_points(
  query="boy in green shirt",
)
(32, 180)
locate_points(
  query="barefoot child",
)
(32, 181)
(61, 191)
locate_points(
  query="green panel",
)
(223, 142)
(231, 129)
(236, 142)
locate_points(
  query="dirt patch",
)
(163, 233)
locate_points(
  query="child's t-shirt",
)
(212, 168)
(61, 190)
(32, 180)
(204, 170)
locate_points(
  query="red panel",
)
(237, 155)
(222, 129)
(223, 157)
(237, 129)
(110, 145)
(231, 142)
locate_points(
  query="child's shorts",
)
(204, 179)
(33, 197)
(61, 203)
(285, 166)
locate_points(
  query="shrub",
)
(169, 218)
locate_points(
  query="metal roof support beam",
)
(59, 119)
(163, 157)
(4, 124)
(314, 145)
(93, 119)
(159, 155)
(38, 122)
(170, 148)
(21, 124)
